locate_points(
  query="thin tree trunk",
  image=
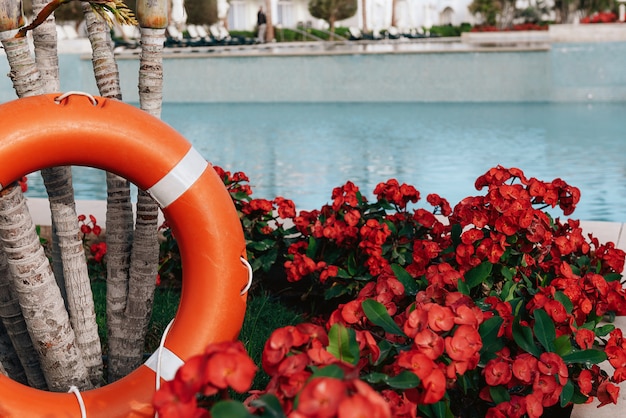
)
(151, 71)
(68, 253)
(47, 61)
(39, 296)
(78, 286)
(19, 348)
(119, 222)
(119, 239)
(9, 359)
(145, 248)
(24, 74)
(104, 66)
(364, 14)
(269, 33)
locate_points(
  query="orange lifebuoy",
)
(52, 130)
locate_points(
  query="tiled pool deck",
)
(604, 231)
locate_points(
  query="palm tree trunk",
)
(119, 222)
(151, 71)
(9, 359)
(68, 253)
(364, 15)
(133, 325)
(145, 249)
(78, 285)
(24, 74)
(39, 296)
(269, 33)
(104, 66)
(18, 354)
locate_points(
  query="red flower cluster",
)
(23, 182)
(600, 17)
(491, 309)
(89, 226)
(98, 250)
(222, 366)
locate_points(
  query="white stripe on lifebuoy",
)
(170, 363)
(180, 178)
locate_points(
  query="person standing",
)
(261, 22)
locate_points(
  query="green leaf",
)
(332, 370)
(438, 410)
(229, 409)
(404, 380)
(342, 344)
(604, 330)
(507, 272)
(343, 274)
(563, 345)
(488, 331)
(378, 315)
(523, 336)
(478, 274)
(612, 277)
(544, 329)
(271, 406)
(463, 288)
(311, 250)
(386, 349)
(410, 284)
(508, 291)
(263, 245)
(565, 301)
(375, 377)
(499, 394)
(567, 393)
(337, 290)
(590, 356)
(456, 234)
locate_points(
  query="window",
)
(285, 14)
(237, 16)
(445, 17)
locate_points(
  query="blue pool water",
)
(302, 151)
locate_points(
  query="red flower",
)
(607, 393)
(464, 344)
(321, 397)
(440, 318)
(497, 372)
(525, 368)
(286, 207)
(585, 338)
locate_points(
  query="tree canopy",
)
(332, 10)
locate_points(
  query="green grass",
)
(263, 315)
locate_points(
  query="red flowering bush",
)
(600, 17)
(264, 225)
(491, 308)
(96, 249)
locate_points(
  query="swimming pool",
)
(301, 151)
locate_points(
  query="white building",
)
(410, 14)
